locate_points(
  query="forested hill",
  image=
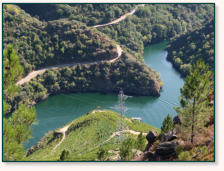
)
(187, 49)
(154, 23)
(91, 14)
(41, 44)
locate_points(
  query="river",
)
(58, 110)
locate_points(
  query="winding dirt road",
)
(33, 74)
(124, 131)
(64, 129)
(119, 19)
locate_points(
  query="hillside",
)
(133, 77)
(51, 49)
(41, 44)
(154, 23)
(187, 49)
(98, 63)
(90, 14)
(86, 135)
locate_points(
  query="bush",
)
(102, 154)
(126, 149)
(141, 142)
(185, 156)
(64, 155)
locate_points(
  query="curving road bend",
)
(33, 74)
(119, 19)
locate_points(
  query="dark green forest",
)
(154, 23)
(41, 44)
(90, 14)
(187, 49)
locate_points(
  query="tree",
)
(102, 153)
(64, 155)
(16, 129)
(141, 140)
(167, 124)
(195, 110)
(12, 71)
(126, 149)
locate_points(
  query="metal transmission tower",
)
(121, 108)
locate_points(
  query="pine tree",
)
(195, 110)
(141, 140)
(167, 124)
(126, 149)
(16, 129)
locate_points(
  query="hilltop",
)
(85, 136)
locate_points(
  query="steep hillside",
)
(62, 41)
(46, 44)
(154, 23)
(90, 14)
(185, 50)
(86, 136)
(127, 74)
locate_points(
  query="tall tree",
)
(167, 124)
(12, 71)
(16, 129)
(195, 110)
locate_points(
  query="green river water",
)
(58, 110)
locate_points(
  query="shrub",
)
(185, 156)
(141, 142)
(64, 155)
(126, 149)
(102, 154)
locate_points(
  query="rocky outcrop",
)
(168, 136)
(177, 120)
(164, 151)
(151, 138)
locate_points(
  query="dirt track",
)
(33, 74)
(120, 18)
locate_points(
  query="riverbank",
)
(58, 110)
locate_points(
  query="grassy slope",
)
(87, 133)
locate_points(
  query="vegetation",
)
(16, 128)
(195, 110)
(50, 34)
(185, 50)
(88, 138)
(90, 14)
(167, 124)
(141, 142)
(102, 154)
(62, 41)
(64, 155)
(133, 77)
(158, 22)
(126, 148)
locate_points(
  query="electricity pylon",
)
(122, 109)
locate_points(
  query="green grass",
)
(86, 135)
